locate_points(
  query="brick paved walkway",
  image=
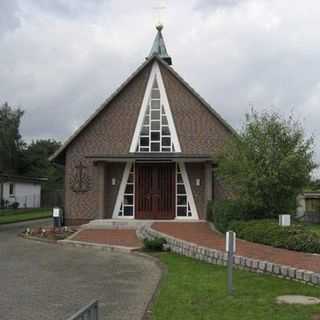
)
(201, 234)
(116, 237)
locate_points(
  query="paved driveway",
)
(44, 281)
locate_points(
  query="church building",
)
(148, 152)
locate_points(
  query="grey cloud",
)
(70, 8)
(67, 57)
(9, 19)
(216, 4)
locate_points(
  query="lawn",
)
(11, 216)
(194, 290)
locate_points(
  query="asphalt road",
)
(47, 281)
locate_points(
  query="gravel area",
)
(48, 281)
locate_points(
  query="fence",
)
(50, 199)
(24, 201)
(47, 199)
(89, 312)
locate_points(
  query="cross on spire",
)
(159, 8)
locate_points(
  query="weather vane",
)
(159, 8)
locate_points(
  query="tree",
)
(268, 164)
(11, 144)
(37, 164)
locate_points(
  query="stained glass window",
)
(127, 204)
(183, 205)
(155, 134)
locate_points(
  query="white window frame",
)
(120, 196)
(190, 199)
(155, 74)
(12, 195)
(185, 178)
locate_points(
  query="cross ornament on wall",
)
(80, 180)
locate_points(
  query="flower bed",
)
(48, 234)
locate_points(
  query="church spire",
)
(159, 47)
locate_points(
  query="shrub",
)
(155, 244)
(267, 164)
(222, 213)
(296, 237)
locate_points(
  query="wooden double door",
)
(155, 191)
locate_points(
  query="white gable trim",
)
(155, 73)
(120, 195)
(193, 207)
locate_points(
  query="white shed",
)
(24, 191)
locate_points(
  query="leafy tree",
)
(314, 185)
(268, 164)
(37, 164)
(11, 144)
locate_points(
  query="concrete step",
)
(115, 224)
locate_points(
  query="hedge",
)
(296, 237)
(222, 213)
(154, 244)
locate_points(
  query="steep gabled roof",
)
(202, 100)
(58, 156)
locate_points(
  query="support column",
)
(101, 190)
(208, 182)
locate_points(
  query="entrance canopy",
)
(150, 157)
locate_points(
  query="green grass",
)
(12, 216)
(196, 290)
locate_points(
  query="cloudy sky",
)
(60, 59)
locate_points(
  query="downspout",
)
(1, 192)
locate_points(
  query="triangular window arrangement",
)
(155, 130)
(127, 201)
(155, 134)
(183, 203)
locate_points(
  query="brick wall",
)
(199, 131)
(197, 171)
(109, 133)
(113, 170)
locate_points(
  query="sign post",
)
(56, 214)
(231, 249)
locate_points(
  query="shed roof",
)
(18, 178)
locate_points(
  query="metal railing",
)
(89, 312)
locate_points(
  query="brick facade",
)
(199, 131)
(196, 171)
(110, 133)
(113, 171)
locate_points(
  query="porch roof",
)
(149, 156)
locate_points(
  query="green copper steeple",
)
(159, 47)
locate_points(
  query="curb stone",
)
(219, 257)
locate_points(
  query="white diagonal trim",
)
(167, 110)
(120, 195)
(194, 212)
(155, 73)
